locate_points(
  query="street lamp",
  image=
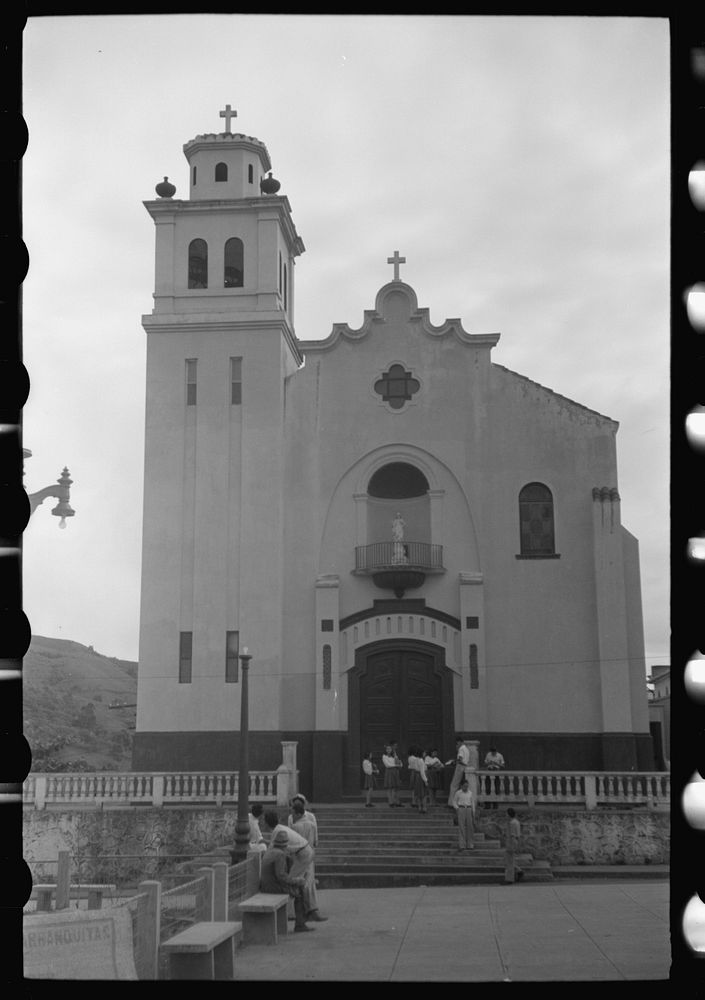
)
(242, 826)
(61, 491)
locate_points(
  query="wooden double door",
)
(400, 692)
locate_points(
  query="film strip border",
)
(15, 632)
(688, 498)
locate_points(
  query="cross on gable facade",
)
(396, 260)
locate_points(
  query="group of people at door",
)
(425, 776)
(426, 773)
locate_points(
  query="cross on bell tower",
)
(227, 114)
(396, 260)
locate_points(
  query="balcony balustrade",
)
(398, 565)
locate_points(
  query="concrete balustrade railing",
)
(162, 788)
(583, 790)
(155, 789)
(588, 790)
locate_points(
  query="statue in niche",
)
(399, 555)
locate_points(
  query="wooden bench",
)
(44, 894)
(264, 918)
(204, 951)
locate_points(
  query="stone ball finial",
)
(269, 185)
(165, 189)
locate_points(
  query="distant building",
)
(660, 715)
(412, 541)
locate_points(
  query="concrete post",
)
(40, 791)
(590, 791)
(254, 865)
(287, 775)
(148, 928)
(284, 786)
(220, 890)
(207, 911)
(63, 882)
(158, 791)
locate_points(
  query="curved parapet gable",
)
(396, 303)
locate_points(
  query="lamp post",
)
(242, 826)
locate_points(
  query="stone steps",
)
(383, 847)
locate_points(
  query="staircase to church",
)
(383, 847)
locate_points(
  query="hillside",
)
(67, 691)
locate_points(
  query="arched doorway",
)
(398, 690)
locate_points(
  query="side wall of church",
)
(541, 612)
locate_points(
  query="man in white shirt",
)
(302, 855)
(308, 815)
(464, 806)
(494, 761)
(256, 839)
(462, 761)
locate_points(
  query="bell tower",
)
(220, 345)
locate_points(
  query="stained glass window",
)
(536, 520)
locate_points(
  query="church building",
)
(411, 541)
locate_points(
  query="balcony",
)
(398, 566)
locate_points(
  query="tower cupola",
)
(226, 165)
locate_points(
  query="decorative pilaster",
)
(612, 644)
(471, 715)
(327, 631)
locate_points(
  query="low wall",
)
(609, 837)
(126, 844)
(632, 837)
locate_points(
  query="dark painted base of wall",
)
(320, 755)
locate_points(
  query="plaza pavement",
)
(562, 931)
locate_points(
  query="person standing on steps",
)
(369, 770)
(434, 770)
(462, 761)
(399, 765)
(464, 805)
(391, 765)
(512, 872)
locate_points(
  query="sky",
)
(520, 164)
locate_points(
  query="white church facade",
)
(412, 541)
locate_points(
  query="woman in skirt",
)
(417, 779)
(369, 782)
(391, 776)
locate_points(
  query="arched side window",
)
(250, 174)
(536, 520)
(285, 286)
(233, 274)
(221, 171)
(198, 264)
(194, 176)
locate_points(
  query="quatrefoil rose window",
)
(397, 386)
